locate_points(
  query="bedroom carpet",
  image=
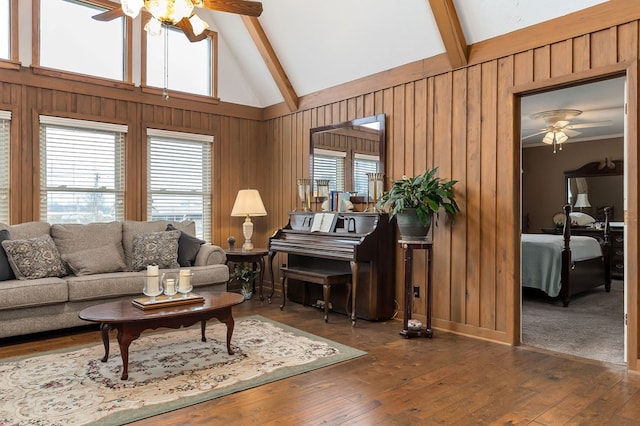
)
(168, 370)
(591, 327)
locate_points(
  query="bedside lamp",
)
(582, 201)
(248, 203)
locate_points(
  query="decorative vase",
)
(410, 227)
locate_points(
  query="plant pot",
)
(246, 292)
(410, 227)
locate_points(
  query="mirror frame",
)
(379, 118)
(592, 170)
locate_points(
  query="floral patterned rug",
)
(167, 371)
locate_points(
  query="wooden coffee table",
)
(131, 321)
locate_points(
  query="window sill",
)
(67, 75)
(181, 95)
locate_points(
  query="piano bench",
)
(319, 276)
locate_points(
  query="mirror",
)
(344, 153)
(595, 186)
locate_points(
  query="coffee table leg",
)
(203, 326)
(224, 315)
(104, 331)
(125, 337)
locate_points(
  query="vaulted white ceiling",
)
(324, 43)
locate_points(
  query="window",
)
(81, 170)
(179, 178)
(87, 46)
(189, 66)
(329, 165)
(363, 164)
(5, 29)
(5, 133)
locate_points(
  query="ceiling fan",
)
(558, 127)
(180, 13)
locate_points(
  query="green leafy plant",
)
(426, 193)
(243, 273)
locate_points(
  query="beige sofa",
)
(100, 262)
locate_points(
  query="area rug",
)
(592, 326)
(167, 371)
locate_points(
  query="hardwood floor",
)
(449, 379)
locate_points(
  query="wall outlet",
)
(416, 291)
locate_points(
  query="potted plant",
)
(414, 200)
(244, 273)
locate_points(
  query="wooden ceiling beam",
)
(451, 32)
(273, 64)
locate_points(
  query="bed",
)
(564, 265)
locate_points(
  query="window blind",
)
(179, 178)
(363, 164)
(5, 134)
(329, 164)
(81, 170)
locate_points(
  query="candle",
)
(171, 286)
(185, 280)
(152, 279)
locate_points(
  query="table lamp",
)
(248, 203)
(582, 200)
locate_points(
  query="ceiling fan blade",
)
(109, 15)
(570, 133)
(535, 134)
(242, 7)
(560, 124)
(187, 29)
(587, 125)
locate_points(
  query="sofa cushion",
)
(97, 260)
(6, 273)
(22, 231)
(105, 286)
(36, 257)
(76, 237)
(132, 227)
(18, 294)
(156, 248)
(188, 247)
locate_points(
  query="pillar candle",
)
(185, 279)
(152, 279)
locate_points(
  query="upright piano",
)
(360, 243)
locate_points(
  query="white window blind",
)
(179, 178)
(81, 170)
(5, 134)
(363, 164)
(329, 164)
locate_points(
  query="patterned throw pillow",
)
(34, 258)
(156, 248)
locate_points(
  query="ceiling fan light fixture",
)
(198, 24)
(131, 7)
(548, 138)
(561, 137)
(169, 12)
(153, 27)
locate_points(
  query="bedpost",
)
(606, 250)
(565, 285)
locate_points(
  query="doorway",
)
(561, 130)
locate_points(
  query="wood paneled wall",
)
(234, 152)
(464, 122)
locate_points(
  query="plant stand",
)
(408, 247)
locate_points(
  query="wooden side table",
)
(255, 257)
(408, 247)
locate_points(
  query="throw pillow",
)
(6, 273)
(156, 248)
(95, 261)
(188, 247)
(34, 258)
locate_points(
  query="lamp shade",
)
(248, 203)
(582, 200)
